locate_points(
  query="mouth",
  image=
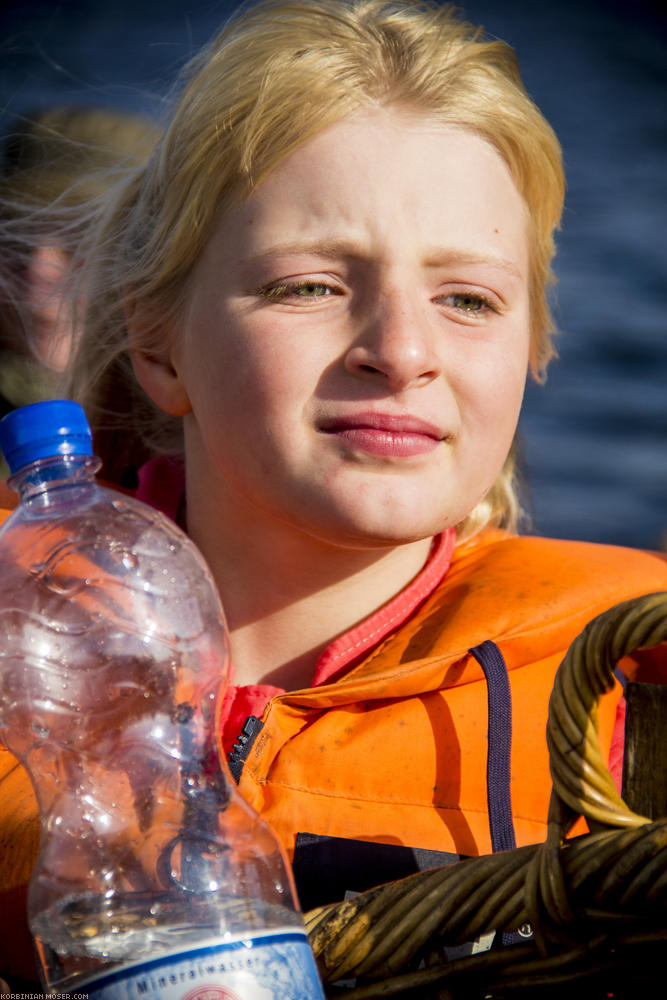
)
(384, 435)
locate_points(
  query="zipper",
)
(243, 745)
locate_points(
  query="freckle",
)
(495, 230)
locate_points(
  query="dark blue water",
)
(595, 437)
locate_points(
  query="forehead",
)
(386, 170)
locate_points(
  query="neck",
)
(287, 595)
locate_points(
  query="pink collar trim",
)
(347, 648)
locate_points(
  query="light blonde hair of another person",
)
(275, 76)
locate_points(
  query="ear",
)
(157, 374)
(160, 380)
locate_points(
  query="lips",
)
(384, 435)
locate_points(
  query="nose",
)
(396, 346)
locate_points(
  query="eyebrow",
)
(335, 249)
(440, 258)
(318, 248)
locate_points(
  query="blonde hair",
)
(276, 75)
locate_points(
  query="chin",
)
(381, 532)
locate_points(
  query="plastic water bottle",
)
(154, 879)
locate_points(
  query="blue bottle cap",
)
(44, 430)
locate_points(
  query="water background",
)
(595, 437)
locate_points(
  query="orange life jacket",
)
(395, 751)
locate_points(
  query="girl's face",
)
(355, 344)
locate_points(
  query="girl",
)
(310, 320)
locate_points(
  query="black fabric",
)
(326, 869)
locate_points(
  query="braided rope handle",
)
(582, 784)
(580, 775)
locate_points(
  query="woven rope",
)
(594, 902)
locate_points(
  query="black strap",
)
(498, 763)
(499, 797)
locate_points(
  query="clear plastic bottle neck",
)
(48, 481)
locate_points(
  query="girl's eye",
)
(468, 302)
(300, 290)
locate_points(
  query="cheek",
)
(277, 367)
(251, 382)
(493, 398)
(504, 394)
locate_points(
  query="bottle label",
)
(273, 966)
